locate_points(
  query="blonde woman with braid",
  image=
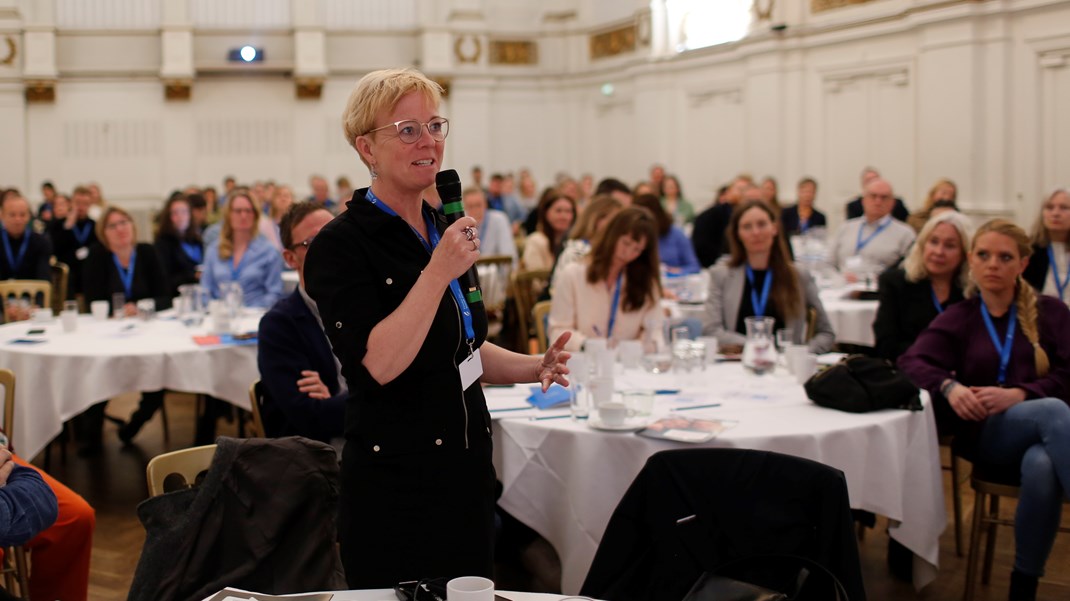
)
(998, 367)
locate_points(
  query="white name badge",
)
(82, 253)
(471, 368)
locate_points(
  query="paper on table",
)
(236, 594)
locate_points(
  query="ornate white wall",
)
(972, 90)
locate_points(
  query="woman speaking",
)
(417, 481)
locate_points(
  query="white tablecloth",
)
(852, 320)
(61, 377)
(564, 480)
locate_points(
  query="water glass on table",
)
(118, 303)
(579, 402)
(69, 316)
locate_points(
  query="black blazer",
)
(65, 246)
(905, 310)
(900, 212)
(789, 219)
(101, 278)
(1037, 270)
(180, 269)
(34, 264)
(709, 234)
(291, 340)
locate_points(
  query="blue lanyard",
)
(126, 275)
(804, 224)
(235, 268)
(81, 232)
(936, 301)
(1060, 286)
(432, 233)
(193, 251)
(860, 243)
(759, 303)
(613, 306)
(1004, 350)
(15, 261)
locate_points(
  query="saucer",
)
(632, 424)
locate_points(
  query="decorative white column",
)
(176, 40)
(310, 48)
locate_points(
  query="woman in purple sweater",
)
(1000, 361)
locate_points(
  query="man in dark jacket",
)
(305, 391)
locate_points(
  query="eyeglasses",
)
(410, 130)
(114, 225)
(242, 211)
(304, 243)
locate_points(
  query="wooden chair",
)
(60, 276)
(527, 285)
(256, 398)
(989, 486)
(178, 470)
(15, 566)
(38, 291)
(811, 323)
(495, 272)
(947, 440)
(542, 335)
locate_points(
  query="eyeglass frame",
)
(304, 243)
(427, 125)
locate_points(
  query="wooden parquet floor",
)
(114, 483)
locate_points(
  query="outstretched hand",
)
(552, 368)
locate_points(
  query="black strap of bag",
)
(860, 384)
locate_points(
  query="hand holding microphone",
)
(448, 184)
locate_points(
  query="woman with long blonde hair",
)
(1049, 268)
(942, 197)
(998, 367)
(242, 255)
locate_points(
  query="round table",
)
(564, 480)
(65, 373)
(852, 319)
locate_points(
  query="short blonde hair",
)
(102, 225)
(380, 91)
(914, 264)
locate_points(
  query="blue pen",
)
(539, 419)
(710, 406)
(667, 391)
(509, 409)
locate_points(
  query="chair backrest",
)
(60, 275)
(540, 314)
(38, 291)
(527, 286)
(7, 380)
(256, 398)
(811, 323)
(178, 470)
(494, 274)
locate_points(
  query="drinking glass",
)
(118, 301)
(579, 402)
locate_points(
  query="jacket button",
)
(376, 448)
(488, 430)
(438, 442)
(338, 325)
(389, 281)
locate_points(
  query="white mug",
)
(69, 319)
(712, 347)
(42, 315)
(612, 413)
(793, 354)
(470, 588)
(100, 308)
(805, 367)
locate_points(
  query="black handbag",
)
(859, 384)
(765, 578)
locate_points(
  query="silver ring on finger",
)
(469, 233)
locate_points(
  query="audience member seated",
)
(854, 210)
(760, 280)
(615, 293)
(931, 279)
(321, 192)
(591, 221)
(178, 243)
(59, 554)
(612, 186)
(499, 200)
(72, 237)
(876, 239)
(27, 504)
(676, 206)
(800, 217)
(302, 379)
(48, 198)
(708, 235)
(242, 255)
(121, 265)
(26, 253)
(770, 190)
(941, 198)
(674, 249)
(1049, 266)
(556, 214)
(998, 367)
(281, 200)
(495, 232)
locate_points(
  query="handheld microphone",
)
(448, 184)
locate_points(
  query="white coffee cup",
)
(630, 351)
(805, 367)
(793, 354)
(470, 588)
(69, 319)
(42, 315)
(712, 347)
(99, 309)
(612, 413)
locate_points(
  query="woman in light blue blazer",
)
(759, 279)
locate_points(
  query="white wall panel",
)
(240, 14)
(350, 15)
(107, 14)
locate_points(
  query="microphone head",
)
(448, 184)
